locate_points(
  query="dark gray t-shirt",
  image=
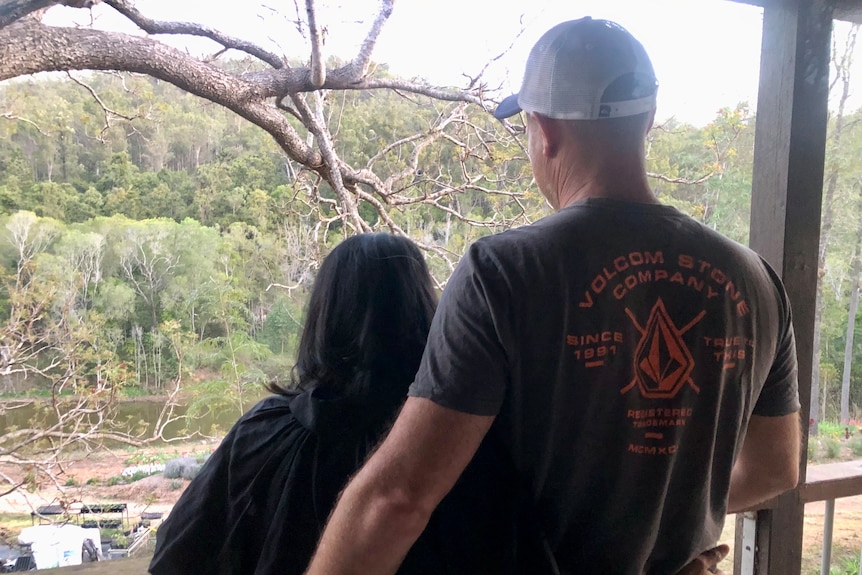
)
(623, 348)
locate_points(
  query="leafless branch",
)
(151, 26)
(318, 64)
(363, 57)
(11, 116)
(13, 10)
(685, 181)
(284, 287)
(477, 77)
(108, 112)
(315, 122)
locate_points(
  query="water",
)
(133, 416)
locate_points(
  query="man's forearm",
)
(368, 534)
(768, 463)
(387, 505)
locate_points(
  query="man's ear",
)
(550, 133)
(650, 123)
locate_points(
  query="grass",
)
(11, 525)
(845, 561)
(848, 566)
(132, 391)
(165, 455)
(138, 475)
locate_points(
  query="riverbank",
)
(98, 478)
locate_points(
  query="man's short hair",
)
(585, 70)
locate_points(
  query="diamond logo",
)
(662, 362)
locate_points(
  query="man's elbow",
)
(403, 508)
(780, 478)
(789, 477)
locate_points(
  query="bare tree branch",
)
(315, 122)
(11, 116)
(108, 112)
(318, 64)
(363, 57)
(12, 10)
(465, 166)
(686, 181)
(27, 47)
(151, 26)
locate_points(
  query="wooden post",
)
(787, 185)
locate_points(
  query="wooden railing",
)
(825, 482)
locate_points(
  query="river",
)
(138, 414)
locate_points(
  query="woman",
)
(261, 501)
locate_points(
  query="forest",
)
(177, 226)
(177, 236)
(153, 242)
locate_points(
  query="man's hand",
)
(707, 562)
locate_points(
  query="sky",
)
(705, 53)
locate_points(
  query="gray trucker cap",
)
(585, 70)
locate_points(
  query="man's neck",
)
(620, 183)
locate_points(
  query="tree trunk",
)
(851, 327)
(842, 65)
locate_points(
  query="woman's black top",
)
(261, 501)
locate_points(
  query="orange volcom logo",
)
(662, 361)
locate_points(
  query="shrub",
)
(120, 541)
(191, 471)
(71, 482)
(175, 485)
(138, 475)
(832, 447)
(113, 481)
(830, 429)
(183, 467)
(93, 481)
(812, 450)
(856, 445)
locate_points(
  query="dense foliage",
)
(152, 235)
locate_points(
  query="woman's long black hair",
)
(367, 322)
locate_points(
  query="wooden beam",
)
(849, 10)
(849, 15)
(832, 481)
(787, 183)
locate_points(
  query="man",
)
(639, 367)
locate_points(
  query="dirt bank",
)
(97, 478)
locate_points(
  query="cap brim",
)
(507, 108)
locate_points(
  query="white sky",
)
(705, 53)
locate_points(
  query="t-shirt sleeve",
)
(780, 393)
(465, 363)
